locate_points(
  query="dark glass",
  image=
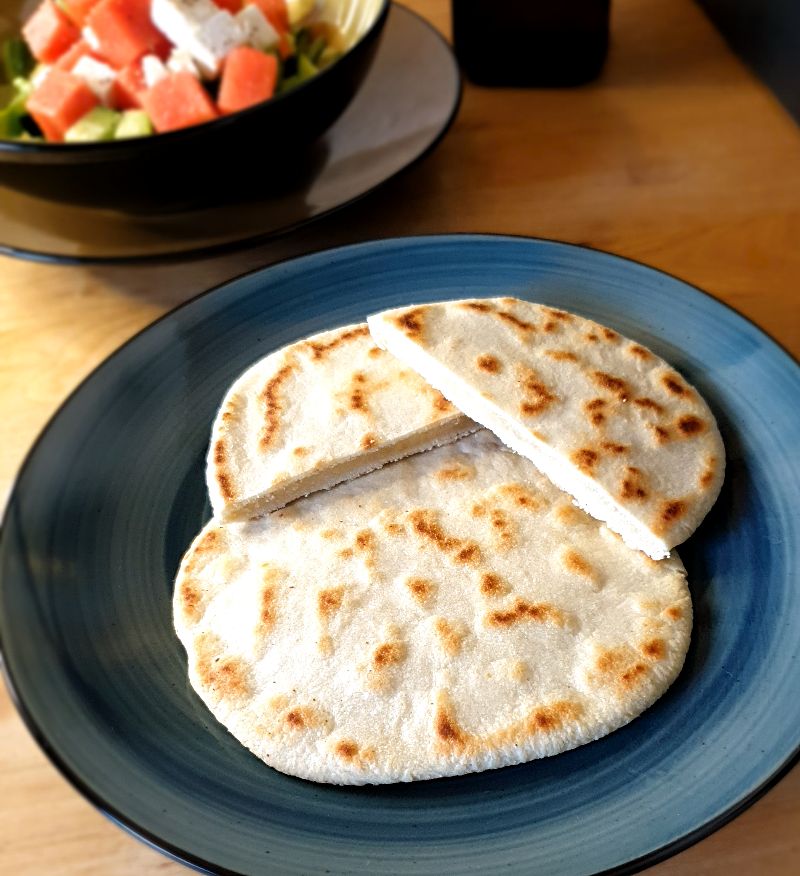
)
(531, 42)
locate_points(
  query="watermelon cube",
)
(78, 10)
(59, 101)
(124, 30)
(276, 12)
(49, 33)
(178, 101)
(74, 53)
(129, 87)
(248, 78)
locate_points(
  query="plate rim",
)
(251, 241)
(198, 863)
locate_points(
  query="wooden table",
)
(677, 156)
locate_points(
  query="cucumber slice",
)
(98, 124)
(12, 113)
(17, 59)
(306, 68)
(134, 123)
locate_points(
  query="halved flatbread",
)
(452, 612)
(603, 417)
(315, 413)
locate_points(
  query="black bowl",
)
(255, 149)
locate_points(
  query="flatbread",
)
(603, 417)
(449, 613)
(315, 413)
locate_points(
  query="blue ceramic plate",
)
(113, 492)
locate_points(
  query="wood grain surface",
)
(677, 156)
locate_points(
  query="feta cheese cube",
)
(153, 70)
(200, 28)
(40, 74)
(178, 19)
(180, 61)
(256, 28)
(97, 75)
(90, 38)
(214, 39)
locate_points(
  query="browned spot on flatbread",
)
(592, 337)
(654, 649)
(368, 440)
(394, 528)
(639, 352)
(661, 435)
(388, 654)
(225, 676)
(522, 327)
(536, 395)
(690, 426)
(610, 334)
(585, 459)
(450, 637)
(374, 352)
(455, 472)
(330, 534)
(421, 589)
(548, 719)
(440, 403)
(576, 564)
(568, 515)
(503, 528)
(270, 398)
(708, 474)
(192, 601)
(268, 601)
(550, 327)
(669, 512)
(479, 306)
(319, 349)
(329, 601)
(522, 610)
(468, 554)
(346, 749)
(560, 315)
(617, 669)
(304, 718)
(426, 526)
(518, 670)
(357, 397)
(674, 612)
(561, 355)
(615, 385)
(410, 323)
(365, 540)
(520, 496)
(354, 754)
(614, 448)
(448, 734)
(493, 585)
(595, 411)
(208, 543)
(648, 404)
(673, 384)
(490, 364)
(633, 487)
(301, 451)
(346, 553)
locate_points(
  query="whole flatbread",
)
(315, 413)
(602, 416)
(449, 613)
